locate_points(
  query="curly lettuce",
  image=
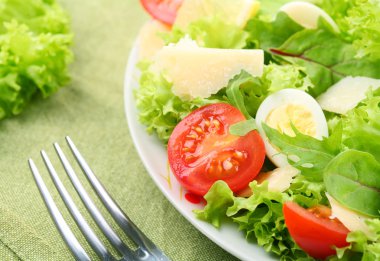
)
(260, 216)
(35, 42)
(359, 20)
(159, 109)
(211, 32)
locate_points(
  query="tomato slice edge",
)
(164, 11)
(315, 235)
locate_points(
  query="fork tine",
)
(120, 217)
(93, 240)
(68, 236)
(95, 213)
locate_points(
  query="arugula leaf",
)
(242, 128)
(353, 177)
(325, 57)
(233, 93)
(313, 155)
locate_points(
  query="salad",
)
(270, 111)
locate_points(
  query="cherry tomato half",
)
(313, 229)
(201, 150)
(163, 10)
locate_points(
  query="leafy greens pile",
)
(35, 51)
(295, 57)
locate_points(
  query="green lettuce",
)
(211, 32)
(353, 177)
(159, 109)
(34, 52)
(260, 216)
(247, 92)
(362, 247)
(326, 56)
(359, 21)
(362, 126)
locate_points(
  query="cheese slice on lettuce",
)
(346, 94)
(351, 220)
(198, 72)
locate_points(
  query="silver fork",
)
(146, 250)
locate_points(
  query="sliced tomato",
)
(163, 10)
(313, 229)
(201, 150)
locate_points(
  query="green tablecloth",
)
(91, 110)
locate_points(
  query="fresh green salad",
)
(270, 110)
(35, 51)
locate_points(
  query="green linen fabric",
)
(91, 110)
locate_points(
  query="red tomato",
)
(313, 229)
(201, 150)
(163, 10)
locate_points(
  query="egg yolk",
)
(300, 116)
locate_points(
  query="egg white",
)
(289, 97)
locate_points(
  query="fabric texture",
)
(91, 111)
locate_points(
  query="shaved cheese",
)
(352, 220)
(201, 72)
(346, 94)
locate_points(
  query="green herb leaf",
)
(271, 34)
(242, 128)
(234, 95)
(326, 58)
(352, 178)
(313, 154)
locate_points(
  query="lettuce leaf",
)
(326, 58)
(353, 177)
(359, 20)
(159, 109)
(34, 52)
(271, 34)
(362, 126)
(211, 32)
(260, 216)
(361, 248)
(247, 92)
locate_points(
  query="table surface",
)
(91, 111)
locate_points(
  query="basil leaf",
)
(242, 128)
(353, 179)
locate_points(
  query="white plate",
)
(153, 155)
